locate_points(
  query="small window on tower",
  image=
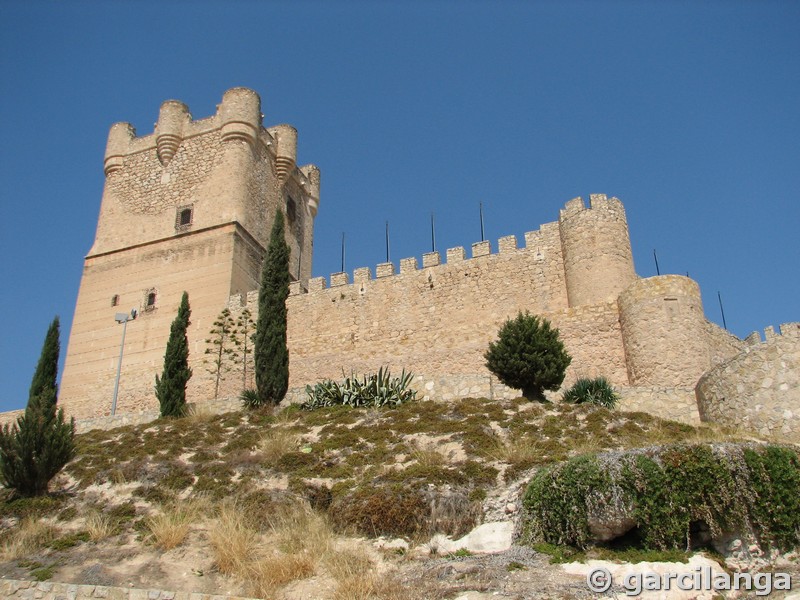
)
(115, 300)
(183, 218)
(150, 300)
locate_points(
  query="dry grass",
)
(515, 450)
(277, 443)
(276, 570)
(298, 528)
(198, 414)
(428, 455)
(169, 528)
(29, 537)
(233, 542)
(589, 445)
(99, 526)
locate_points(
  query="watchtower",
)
(188, 207)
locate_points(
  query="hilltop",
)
(330, 503)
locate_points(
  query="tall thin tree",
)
(222, 350)
(245, 327)
(270, 350)
(40, 443)
(171, 386)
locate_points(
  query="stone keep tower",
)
(189, 207)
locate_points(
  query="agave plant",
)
(596, 391)
(376, 389)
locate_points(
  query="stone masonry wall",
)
(437, 321)
(759, 388)
(13, 589)
(598, 262)
(674, 403)
(665, 332)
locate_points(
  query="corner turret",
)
(598, 263)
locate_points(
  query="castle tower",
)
(598, 263)
(188, 207)
(664, 331)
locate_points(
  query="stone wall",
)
(13, 589)
(437, 321)
(665, 332)
(759, 388)
(674, 403)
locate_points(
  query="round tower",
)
(286, 150)
(118, 145)
(240, 113)
(663, 331)
(169, 129)
(598, 263)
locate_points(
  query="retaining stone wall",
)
(759, 388)
(47, 590)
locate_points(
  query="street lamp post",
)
(121, 318)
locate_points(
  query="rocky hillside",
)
(331, 503)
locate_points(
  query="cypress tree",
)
(171, 386)
(270, 351)
(47, 369)
(40, 443)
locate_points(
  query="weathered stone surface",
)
(759, 388)
(486, 538)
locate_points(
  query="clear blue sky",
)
(687, 111)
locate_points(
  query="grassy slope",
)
(410, 471)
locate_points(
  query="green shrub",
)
(775, 477)
(250, 398)
(375, 390)
(667, 490)
(597, 391)
(528, 355)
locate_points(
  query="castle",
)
(190, 206)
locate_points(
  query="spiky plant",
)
(596, 391)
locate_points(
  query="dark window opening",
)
(115, 300)
(183, 217)
(291, 210)
(150, 302)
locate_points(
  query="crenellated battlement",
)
(787, 330)
(238, 118)
(431, 261)
(758, 388)
(596, 202)
(540, 245)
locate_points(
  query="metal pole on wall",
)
(387, 242)
(433, 234)
(480, 209)
(342, 271)
(655, 257)
(722, 310)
